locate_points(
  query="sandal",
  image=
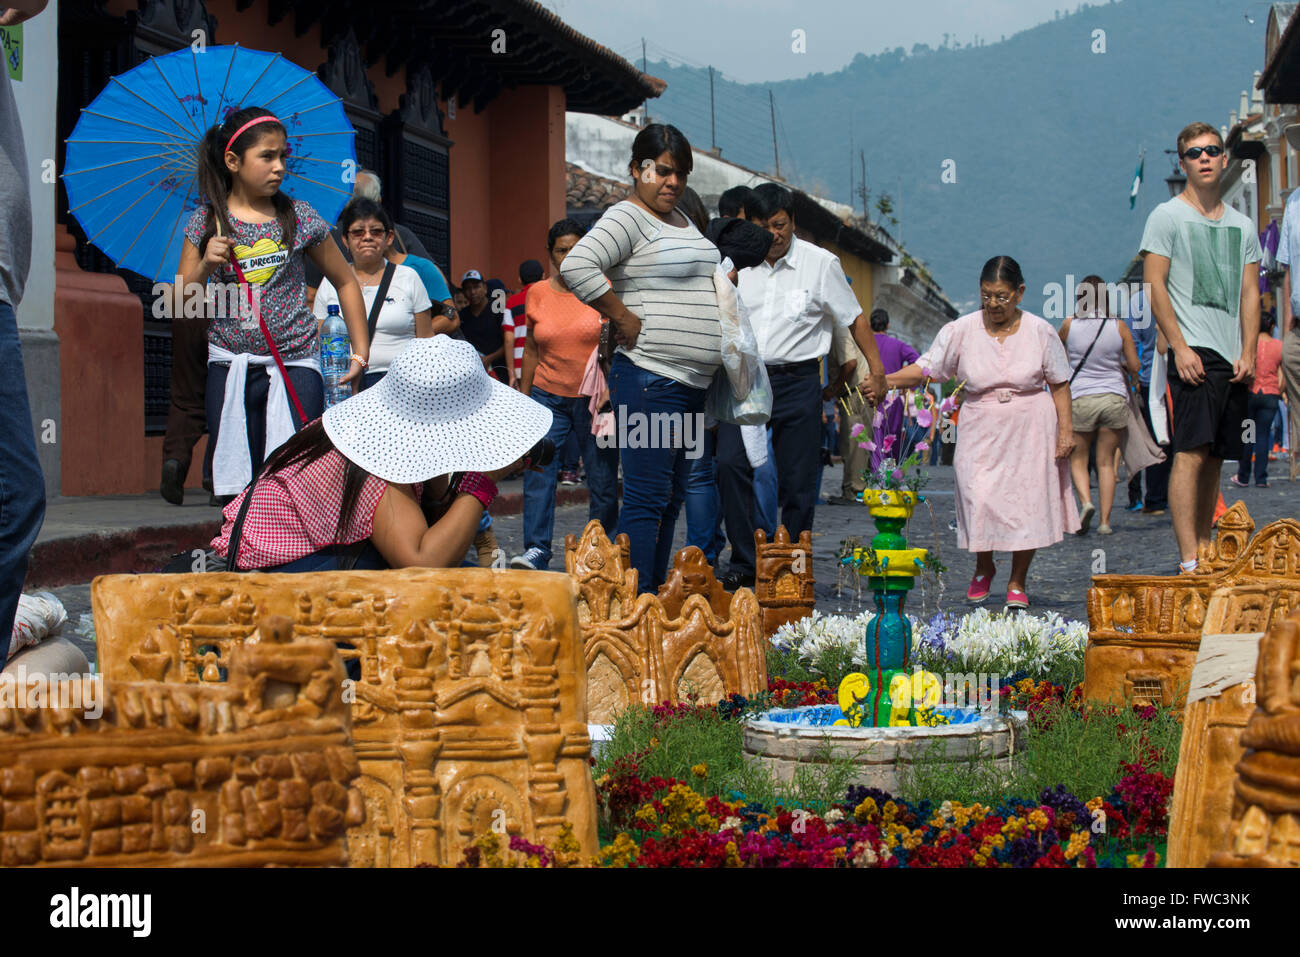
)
(980, 586)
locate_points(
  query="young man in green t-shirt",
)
(1201, 267)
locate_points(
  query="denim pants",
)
(1262, 409)
(766, 507)
(307, 382)
(654, 478)
(22, 484)
(703, 504)
(570, 418)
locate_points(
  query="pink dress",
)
(1012, 492)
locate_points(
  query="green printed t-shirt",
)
(1206, 257)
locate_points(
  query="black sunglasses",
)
(1196, 151)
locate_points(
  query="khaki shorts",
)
(1105, 410)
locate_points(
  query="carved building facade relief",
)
(466, 689)
(1144, 631)
(693, 638)
(254, 770)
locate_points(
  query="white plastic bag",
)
(740, 393)
(39, 616)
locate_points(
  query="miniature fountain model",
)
(892, 713)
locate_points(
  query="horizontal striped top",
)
(664, 275)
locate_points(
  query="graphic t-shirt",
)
(1206, 257)
(395, 327)
(277, 274)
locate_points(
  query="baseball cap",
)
(471, 274)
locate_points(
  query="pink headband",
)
(253, 122)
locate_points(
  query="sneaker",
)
(173, 482)
(1085, 518)
(1105, 530)
(1134, 506)
(533, 559)
(980, 585)
(1239, 483)
(1017, 599)
(952, 526)
(843, 500)
(568, 478)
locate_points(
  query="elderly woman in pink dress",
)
(1012, 463)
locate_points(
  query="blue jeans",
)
(703, 505)
(306, 382)
(654, 478)
(570, 420)
(22, 484)
(1263, 409)
(370, 378)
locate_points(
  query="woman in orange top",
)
(1264, 403)
(563, 332)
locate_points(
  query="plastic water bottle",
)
(335, 356)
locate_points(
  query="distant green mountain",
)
(1043, 133)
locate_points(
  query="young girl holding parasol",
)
(250, 233)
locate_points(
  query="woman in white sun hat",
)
(356, 476)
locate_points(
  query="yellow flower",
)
(1014, 827)
(1037, 820)
(889, 811)
(1078, 841)
(602, 780)
(700, 770)
(619, 854)
(865, 811)
(733, 855)
(647, 814)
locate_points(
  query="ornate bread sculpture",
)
(251, 771)
(467, 690)
(1220, 702)
(651, 649)
(1265, 828)
(1145, 629)
(783, 579)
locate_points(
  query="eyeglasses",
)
(1196, 151)
(998, 300)
(378, 231)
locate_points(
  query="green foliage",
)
(671, 747)
(1081, 749)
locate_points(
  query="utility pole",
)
(645, 103)
(713, 130)
(771, 102)
(866, 212)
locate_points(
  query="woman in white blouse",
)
(406, 312)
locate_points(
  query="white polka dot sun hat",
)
(437, 411)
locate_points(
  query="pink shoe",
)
(1017, 599)
(980, 585)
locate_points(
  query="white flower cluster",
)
(986, 642)
(814, 637)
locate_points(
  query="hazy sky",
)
(750, 40)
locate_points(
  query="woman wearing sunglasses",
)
(405, 312)
(1013, 481)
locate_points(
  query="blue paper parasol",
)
(130, 168)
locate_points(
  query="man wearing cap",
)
(514, 324)
(794, 298)
(481, 324)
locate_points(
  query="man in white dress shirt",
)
(794, 300)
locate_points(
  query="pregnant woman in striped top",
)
(647, 269)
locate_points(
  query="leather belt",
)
(807, 366)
